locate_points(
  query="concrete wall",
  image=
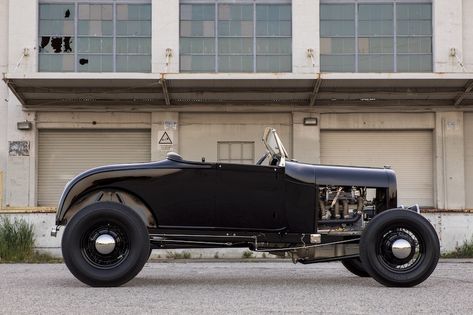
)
(447, 34)
(467, 53)
(449, 158)
(165, 32)
(305, 35)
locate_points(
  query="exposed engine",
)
(344, 202)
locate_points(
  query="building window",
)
(239, 152)
(246, 36)
(88, 37)
(385, 36)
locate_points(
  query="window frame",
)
(216, 37)
(395, 36)
(114, 54)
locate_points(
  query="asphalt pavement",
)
(234, 288)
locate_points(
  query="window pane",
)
(337, 28)
(273, 46)
(344, 63)
(376, 63)
(133, 45)
(414, 28)
(373, 12)
(134, 63)
(235, 12)
(337, 45)
(56, 63)
(235, 46)
(337, 11)
(235, 63)
(204, 46)
(416, 45)
(375, 45)
(235, 28)
(416, 11)
(197, 63)
(273, 63)
(95, 45)
(414, 63)
(56, 27)
(375, 28)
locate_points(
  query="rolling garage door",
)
(409, 153)
(62, 154)
(468, 134)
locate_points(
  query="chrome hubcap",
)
(105, 244)
(401, 248)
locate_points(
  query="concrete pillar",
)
(449, 160)
(165, 32)
(467, 53)
(21, 39)
(164, 134)
(23, 36)
(21, 165)
(306, 139)
(447, 34)
(305, 35)
(3, 89)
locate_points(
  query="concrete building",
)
(389, 82)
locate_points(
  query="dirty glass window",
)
(385, 36)
(235, 36)
(95, 37)
(414, 41)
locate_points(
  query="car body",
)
(114, 215)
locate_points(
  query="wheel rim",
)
(400, 249)
(105, 245)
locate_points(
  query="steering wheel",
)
(262, 158)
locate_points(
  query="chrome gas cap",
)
(105, 244)
(401, 248)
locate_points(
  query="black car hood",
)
(340, 175)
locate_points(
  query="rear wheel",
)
(105, 244)
(355, 266)
(399, 248)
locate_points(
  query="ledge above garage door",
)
(49, 90)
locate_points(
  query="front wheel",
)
(399, 248)
(105, 244)
(355, 266)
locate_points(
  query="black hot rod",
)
(114, 215)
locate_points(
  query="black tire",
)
(382, 263)
(130, 252)
(355, 266)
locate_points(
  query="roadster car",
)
(115, 215)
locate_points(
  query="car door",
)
(249, 197)
(186, 197)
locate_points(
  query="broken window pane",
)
(56, 44)
(95, 63)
